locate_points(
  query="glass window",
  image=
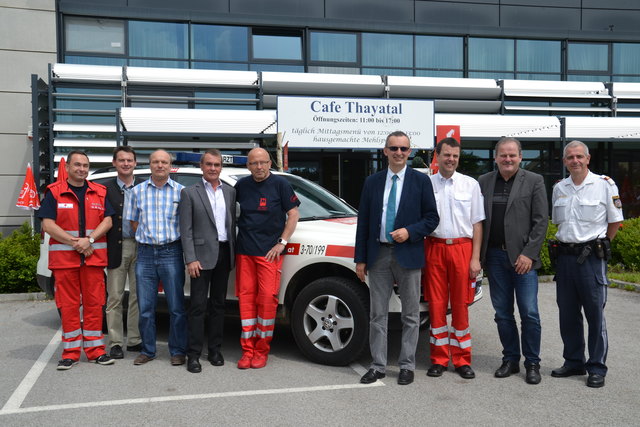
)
(277, 47)
(94, 35)
(491, 75)
(218, 100)
(538, 56)
(334, 47)
(528, 76)
(94, 60)
(491, 54)
(158, 63)
(220, 43)
(387, 50)
(220, 66)
(334, 70)
(588, 57)
(277, 67)
(626, 58)
(158, 40)
(439, 52)
(387, 71)
(437, 73)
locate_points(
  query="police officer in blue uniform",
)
(588, 212)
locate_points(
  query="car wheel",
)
(330, 320)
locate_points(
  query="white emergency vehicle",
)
(321, 297)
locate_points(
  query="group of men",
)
(448, 226)
(442, 228)
(145, 232)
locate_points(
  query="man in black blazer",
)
(397, 210)
(517, 215)
(122, 254)
(208, 233)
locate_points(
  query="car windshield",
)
(315, 201)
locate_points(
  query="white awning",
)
(603, 128)
(177, 76)
(190, 121)
(494, 127)
(83, 127)
(97, 73)
(84, 143)
(346, 85)
(554, 89)
(626, 90)
(442, 87)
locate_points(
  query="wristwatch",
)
(91, 240)
(282, 241)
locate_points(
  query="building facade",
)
(543, 71)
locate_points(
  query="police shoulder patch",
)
(617, 202)
(608, 179)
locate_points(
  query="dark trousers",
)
(208, 295)
(583, 287)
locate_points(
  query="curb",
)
(627, 286)
(32, 296)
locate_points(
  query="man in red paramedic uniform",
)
(268, 217)
(77, 216)
(453, 251)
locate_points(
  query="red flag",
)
(434, 163)
(62, 170)
(28, 198)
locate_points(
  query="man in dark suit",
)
(517, 214)
(122, 254)
(208, 233)
(397, 210)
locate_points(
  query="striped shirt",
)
(156, 211)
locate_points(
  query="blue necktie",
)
(391, 209)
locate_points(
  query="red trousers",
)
(447, 283)
(74, 287)
(257, 288)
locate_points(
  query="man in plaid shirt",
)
(153, 213)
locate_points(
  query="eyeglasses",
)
(394, 148)
(260, 162)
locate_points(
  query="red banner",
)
(62, 170)
(28, 198)
(442, 132)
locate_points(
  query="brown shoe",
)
(177, 360)
(142, 359)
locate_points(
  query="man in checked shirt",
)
(153, 213)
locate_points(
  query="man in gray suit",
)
(207, 231)
(516, 208)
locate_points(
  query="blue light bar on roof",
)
(227, 159)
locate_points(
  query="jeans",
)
(161, 263)
(504, 282)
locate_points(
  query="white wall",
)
(27, 46)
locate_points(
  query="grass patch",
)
(618, 273)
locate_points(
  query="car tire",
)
(330, 320)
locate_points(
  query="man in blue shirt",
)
(268, 217)
(153, 213)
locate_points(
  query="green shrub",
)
(18, 260)
(625, 248)
(544, 252)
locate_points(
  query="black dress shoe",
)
(405, 377)
(507, 368)
(371, 376)
(533, 374)
(436, 370)
(193, 365)
(216, 359)
(466, 372)
(566, 371)
(595, 381)
(116, 352)
(137, 348)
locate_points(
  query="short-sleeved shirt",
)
(49, 207)
(583, 212)
(263, 212)
(460, 205)
(156, 211)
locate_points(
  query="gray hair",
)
(506, 140)
(575, 143)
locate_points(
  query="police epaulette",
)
(608, 179)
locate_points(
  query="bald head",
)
(160, 165)
(258, 163)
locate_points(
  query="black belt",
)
(387, 244)
(574, 248)
(175, 242)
